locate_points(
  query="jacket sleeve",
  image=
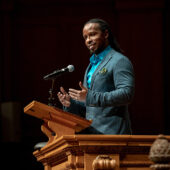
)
(77, 108)
(123, 81)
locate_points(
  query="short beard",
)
(91, 52)
(97, 51)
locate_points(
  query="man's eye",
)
(92, 34)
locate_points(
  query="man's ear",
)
(106, 34)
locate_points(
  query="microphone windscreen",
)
(70, 68)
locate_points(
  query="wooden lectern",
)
(67, 151)
(56, 121)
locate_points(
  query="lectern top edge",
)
(43, 111)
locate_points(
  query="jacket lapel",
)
(85, 75)
(101, 65)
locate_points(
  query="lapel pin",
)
(103, 70)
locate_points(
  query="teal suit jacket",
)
(111, 91)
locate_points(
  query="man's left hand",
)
(79, 95)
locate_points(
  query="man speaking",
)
(108, 86)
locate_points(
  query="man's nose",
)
(88, 40)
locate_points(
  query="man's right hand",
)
(63, 97)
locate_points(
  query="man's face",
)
(95, 39)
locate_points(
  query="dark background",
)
(40, 36)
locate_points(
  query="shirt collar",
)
(94, 59)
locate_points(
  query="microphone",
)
(54, 74)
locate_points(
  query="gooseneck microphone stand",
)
(52, 76)
(51, 99)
